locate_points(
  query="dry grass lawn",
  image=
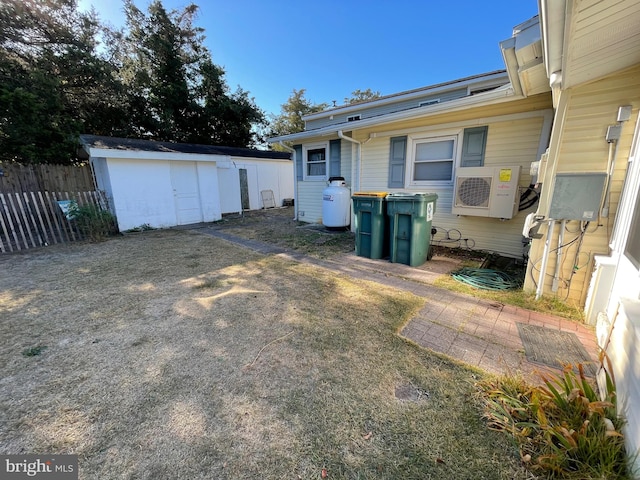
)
(171, 354)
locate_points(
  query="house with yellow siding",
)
(477, 132)
(587, 242)
(561, 124)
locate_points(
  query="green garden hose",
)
(486, 278)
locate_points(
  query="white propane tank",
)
(336, 204)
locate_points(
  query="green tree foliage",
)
(176, 91)
(52, 82)
(291, 113)
(358, 96)
(225, 118)
(62, 73)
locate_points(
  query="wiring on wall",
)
(528, 198)
(575, 266)
(450, 238)
(577, 240)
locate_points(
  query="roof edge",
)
(499, 95)
(408, 94)
(98, 142)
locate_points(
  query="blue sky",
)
(333, 47)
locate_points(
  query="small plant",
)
(562, 427)
(34, 351)
(145, 227)
(93, 222)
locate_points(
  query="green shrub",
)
(562, 427)
(92, 221)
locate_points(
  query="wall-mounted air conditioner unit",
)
(486, 191)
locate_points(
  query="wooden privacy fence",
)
(45, 178)
(37, 219)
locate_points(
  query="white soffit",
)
(604, 37)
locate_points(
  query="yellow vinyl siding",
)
(513, 142)
(310, 201)
(582, 147)
(375, 165)
(346, 150)
(471, 115)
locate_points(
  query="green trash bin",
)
(371, 228)
(410, 216)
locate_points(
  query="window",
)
(423, 160)
(315, 161)
(433, 159)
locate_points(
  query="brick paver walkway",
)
(474, 331)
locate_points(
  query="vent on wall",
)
(486, 191)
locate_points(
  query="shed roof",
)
(137, 145)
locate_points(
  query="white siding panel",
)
(229, 188)
(276, 176)
(209, 193)
(142, 193)
(625, 356)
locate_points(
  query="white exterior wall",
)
(229, 189)
(511, 142)
(624, 354)
(267, 175)
(618, 323)
(262, 174)
(142, 192)
(209, 193)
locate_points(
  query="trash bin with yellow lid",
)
(370, 225)
(410, 216)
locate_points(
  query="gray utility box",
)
(577, 196)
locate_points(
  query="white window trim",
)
(314, 146)
(413, 140)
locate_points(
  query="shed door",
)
(184, 180)
(244, 189)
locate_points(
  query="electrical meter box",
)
(577, 196)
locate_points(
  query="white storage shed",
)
(164, 184)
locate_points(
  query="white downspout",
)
(355, 170)
(295, 178)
